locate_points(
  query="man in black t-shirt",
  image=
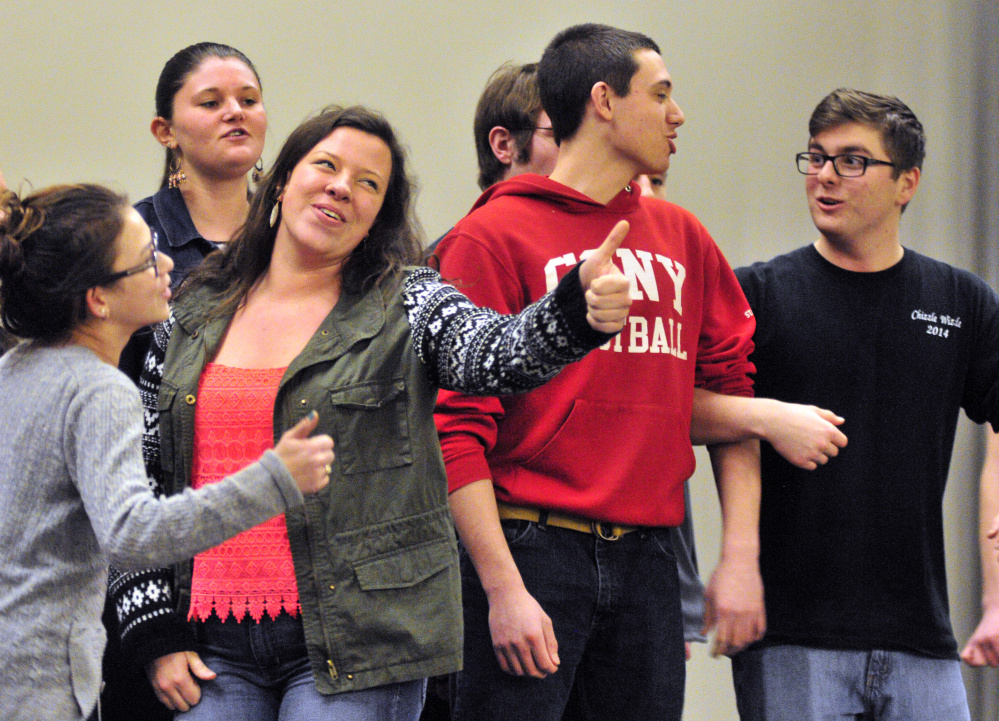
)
(852, 553)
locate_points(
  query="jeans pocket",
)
(518, 533)
(662, 541)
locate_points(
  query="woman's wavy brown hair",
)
(392, 243)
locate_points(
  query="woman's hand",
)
(309, 460)
(608, 292)
(173, 679)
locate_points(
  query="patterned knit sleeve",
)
(481, 352)
(147, 622)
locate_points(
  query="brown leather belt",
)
(601, 529)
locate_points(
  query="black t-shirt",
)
(852, 553)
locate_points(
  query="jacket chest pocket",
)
(372, 426)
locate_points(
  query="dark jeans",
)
(615, 608)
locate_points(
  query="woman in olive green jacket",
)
(317, 284)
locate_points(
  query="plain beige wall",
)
(76, 96)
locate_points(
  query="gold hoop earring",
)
(177, 175)
(258, 171)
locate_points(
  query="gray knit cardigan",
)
(74, 497)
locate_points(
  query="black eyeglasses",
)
(151, 262)
(846, 166)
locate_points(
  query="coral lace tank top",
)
(233, 425)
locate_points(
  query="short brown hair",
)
(510, 100)
(578, 58)
(901, 131)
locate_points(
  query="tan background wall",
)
(76, 98)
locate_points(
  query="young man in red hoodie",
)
(576, 591)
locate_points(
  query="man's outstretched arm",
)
(805, 436)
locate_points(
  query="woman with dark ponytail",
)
(210, 120)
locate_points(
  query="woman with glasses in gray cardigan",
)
(79, 274)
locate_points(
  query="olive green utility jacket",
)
(375, 553)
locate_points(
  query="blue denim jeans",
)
(615, 608)
(263, 673)
(799, 683)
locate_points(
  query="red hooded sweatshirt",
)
(609, 438)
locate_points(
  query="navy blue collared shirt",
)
(167, 214)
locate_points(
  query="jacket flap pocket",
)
(165, 406)
(404, 568)
(167, 394)
(370, 424)
(367, 395)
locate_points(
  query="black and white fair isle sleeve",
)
(143, 600)
(479, 351)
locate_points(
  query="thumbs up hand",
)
(608, 292)
(307, 457)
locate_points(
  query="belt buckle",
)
(606, 531)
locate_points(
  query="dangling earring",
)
(275, 212)
(258, 171)
(177, 175)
